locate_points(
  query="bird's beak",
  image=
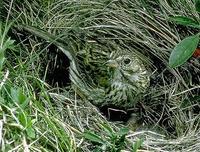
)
(112, 63)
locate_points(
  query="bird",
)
(116, 77)
(102, 74)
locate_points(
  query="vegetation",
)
(186, 48)
(40, 110)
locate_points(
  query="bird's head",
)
(129, 76)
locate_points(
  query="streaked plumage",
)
(104, 75)
(118, 78)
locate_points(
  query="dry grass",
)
(54, 118)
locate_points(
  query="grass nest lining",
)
(142, 26)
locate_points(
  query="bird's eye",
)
(127, 61)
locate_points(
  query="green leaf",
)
(108, 130)
(29, 127)
(31, 132)
(197, 5)
(22, 117)
(183, 20)
(93, 137)
(183, 51)
(123, 131)
(137, 145)
(19, 97)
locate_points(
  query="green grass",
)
(35, 116)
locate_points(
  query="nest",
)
(171, 103)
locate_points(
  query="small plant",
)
(111, 141)
(21, 101)
(17, 105)
(185, 49)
